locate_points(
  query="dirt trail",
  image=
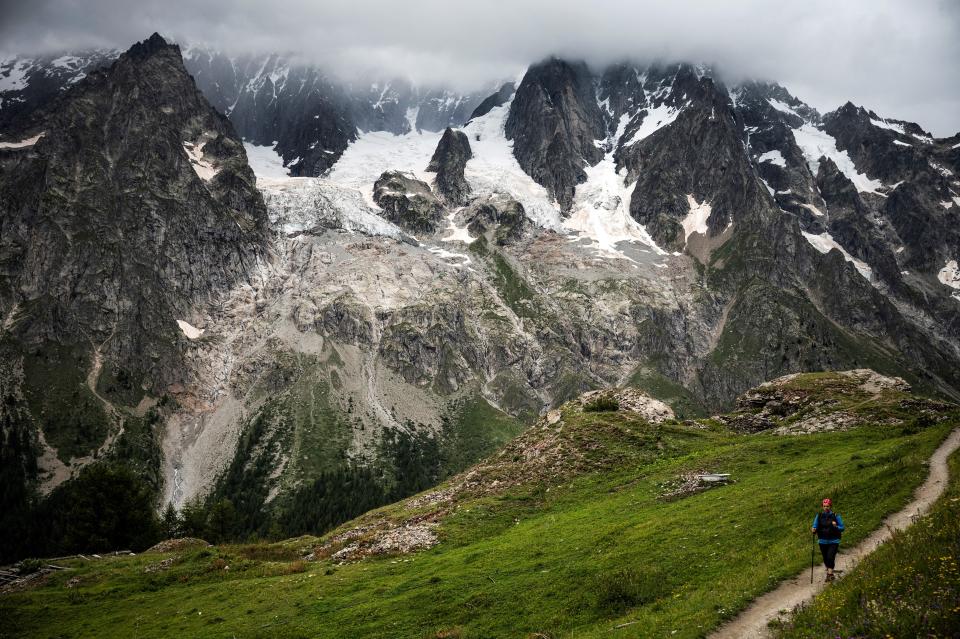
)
(752, 622)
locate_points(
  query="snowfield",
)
(264, 161)
(374, 152)
(493, 169)
(601, 207)
(816, 144)
(344, 197)
(696, 219)
(298, 204)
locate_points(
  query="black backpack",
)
(825, 529)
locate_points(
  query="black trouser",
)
(829, 552)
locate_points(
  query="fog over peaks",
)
(898, 58)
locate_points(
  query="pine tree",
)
(171, 524)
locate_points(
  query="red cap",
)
(827, 502)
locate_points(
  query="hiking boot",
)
(830, 576)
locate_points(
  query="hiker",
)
(828, 526)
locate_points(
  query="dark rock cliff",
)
(554, 122)
(448, 162)
(135, 204)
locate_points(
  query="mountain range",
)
(245, 279)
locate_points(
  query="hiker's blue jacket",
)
(828, 538)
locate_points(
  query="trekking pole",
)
(813, 551)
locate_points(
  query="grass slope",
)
(574, 546)
(909, 587)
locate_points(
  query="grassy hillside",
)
(581, 527)
(909, 587)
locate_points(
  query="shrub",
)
(603, 403)
(628, 588)
(268, 552)
(29, 566)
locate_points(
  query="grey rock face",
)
(498, 213)
(768, 130)
(554, 122)
(874, 148)
(448, 162)
(494, 100)
(699, 155)
(295, 108)
(407, 202)
(134, 204)
(850, 222)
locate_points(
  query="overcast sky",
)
(901, 59)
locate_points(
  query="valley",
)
(452, 362)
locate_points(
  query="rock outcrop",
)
(448, 162)
(407, 202)
(500, 214)
(801, 403)
(631, 400)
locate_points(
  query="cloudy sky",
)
(900, 58)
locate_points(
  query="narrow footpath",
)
(753, 622)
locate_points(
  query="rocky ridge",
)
(566, 443)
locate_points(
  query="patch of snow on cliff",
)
(412, 117)
(825, 243)
(942, 170)
(656, 118)
(601, 207)
(14, 76)
(950, 274)
(812, 209)
(773, 157)
(816, 144)
(22, 143)
(892, 126)
(901, 143)
(783, 107)
(449, 255)
(204, 170)
(696, 219)
(192, 332)
(457, 233)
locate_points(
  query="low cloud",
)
(897, 58)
